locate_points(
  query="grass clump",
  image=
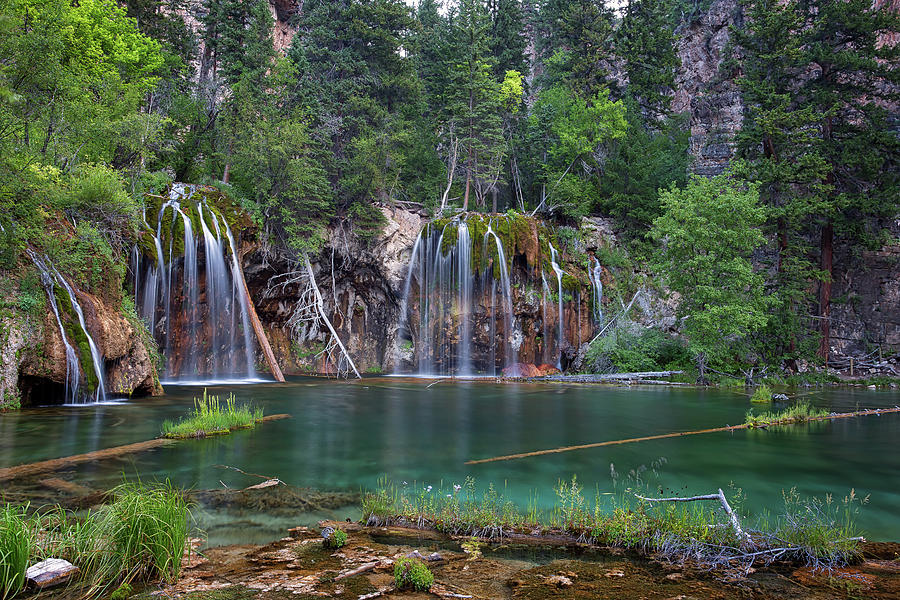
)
(799, 413)
(808, 531)
(337, 539)
(140, 536)
(410, 573)
(16, 547)
(762, 394)
(211, 417)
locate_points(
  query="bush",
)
(412, 573)
(16, 542)
(762, 394)
(337, 539)
(624, 351)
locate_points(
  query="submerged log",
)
(55, 464)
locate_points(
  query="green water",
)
(344, 436)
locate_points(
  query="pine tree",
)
(646, 43)
(507, 36)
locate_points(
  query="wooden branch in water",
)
(358, 570)
(859, 413)
(55, 464)
(720, 496)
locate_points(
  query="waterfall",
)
(559, 273)
(508, 313)
(596, 272)
(51, 278)
(446, 298)
(196, 323)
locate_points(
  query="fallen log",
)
(858, 413)
(260, 332)
(358, 570)
(55, 464)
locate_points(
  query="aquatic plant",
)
(762, 394)
(410, 573)
(807, 531)
(799, 413)
(16, 546)
(210, 417)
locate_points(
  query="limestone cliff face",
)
(33, 357)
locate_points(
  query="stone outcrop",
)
(33, 357)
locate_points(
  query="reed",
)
(211, 417)
(16, 547)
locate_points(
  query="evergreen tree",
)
(507, 37)
(646, 43)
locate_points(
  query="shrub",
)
(762, 394)
(624, 351)
(337, 539)
(412, 573)
(16, 542)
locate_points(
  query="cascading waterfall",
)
(562, 332)
(51, 278)
(446, 298)
(596, 272)
(196, 323)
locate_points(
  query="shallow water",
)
(345, 436)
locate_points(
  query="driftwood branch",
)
(720, 496)
(358, 570)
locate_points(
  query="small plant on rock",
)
(337, 539)
(410, 573)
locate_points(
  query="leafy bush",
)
(337, 539)
(98, 193)
(16, 546)
(624, 351)
(762, 394)
(412, 573)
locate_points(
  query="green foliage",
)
(798, 413)
(624, 351)
(122, 592)
(708, 233)
(619, 518)
(337, 539)
(141, 535)
(16, 548)
(762, 394)
(209, 417)
(411, 573)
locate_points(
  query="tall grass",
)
(141, 535)
(16, 545)
(812, 532)
(211, 417)
(799, 413)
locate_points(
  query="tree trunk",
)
(827, 251)
(261, 333)
(494, 205)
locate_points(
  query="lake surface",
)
(345, 436)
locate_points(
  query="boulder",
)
(50, 572)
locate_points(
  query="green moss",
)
(77, 337)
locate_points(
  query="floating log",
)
(55, 464)
(50, 572)
(641, 377)
(859, 413)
